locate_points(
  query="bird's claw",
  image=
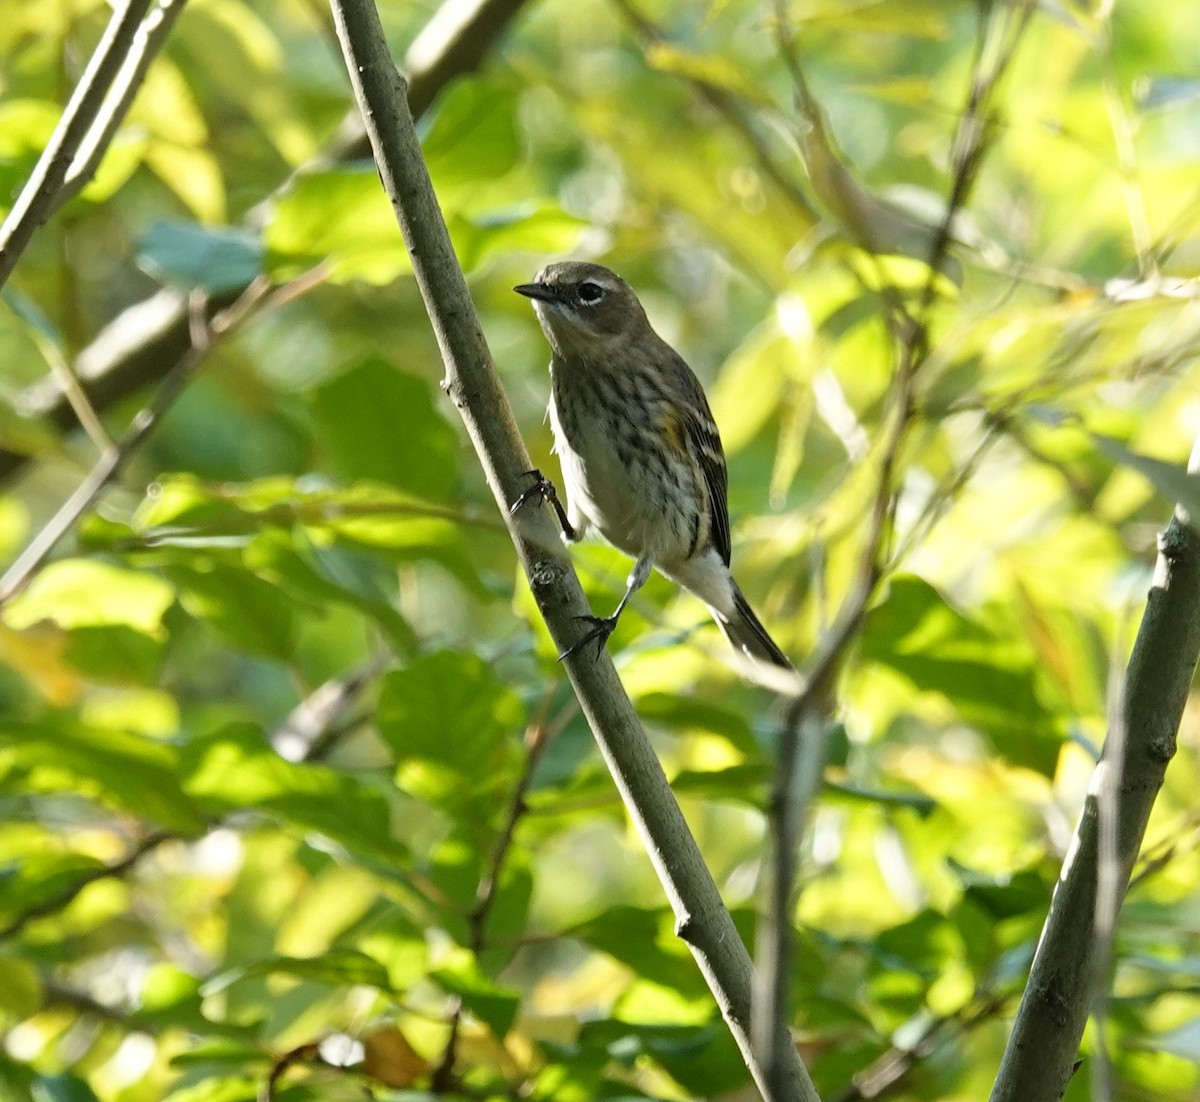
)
(602, 627)
(542, 488)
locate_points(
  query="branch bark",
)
(472, 384)
(41, 192)
(1041, 1055)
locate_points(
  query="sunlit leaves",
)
(130, 772)
(381, 425)
(989, 680)
(317, 529)
(235, 768)
(453, 726)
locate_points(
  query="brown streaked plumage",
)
(641, 456)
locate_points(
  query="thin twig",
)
(81, 404)
(302, 1054)
(892, 1067)
(804, 737)
(112, 462)
(317, 746)
(71, 892)
(735, 113)
(40, 193)
(538, 736)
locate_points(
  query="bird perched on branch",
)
(641, 457)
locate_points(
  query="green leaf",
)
(251, 613)
(235, 1088)
(990, 681)
(381, 424)
(38, 878)
(492, 1004)
(635, 937)
(340, 217)
(85, 593)
(23, 987)
(453, 725)
(188, 255)
(129, 772)
(235, 769)
(1005, 896)
(472, 138)
(338, 967)
(680, 714)
(529, 227)
(63, 1087)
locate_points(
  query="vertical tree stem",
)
(1041, 1055)
(471, 382)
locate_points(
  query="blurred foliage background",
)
(289, 778)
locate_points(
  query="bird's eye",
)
(590, 293)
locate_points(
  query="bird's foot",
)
(601, 628)
(542, 489)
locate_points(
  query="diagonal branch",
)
(148, 40)
(41, 193)
(473, 386)
(113, 460)
(1041, 1055)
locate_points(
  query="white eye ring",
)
(590, 293)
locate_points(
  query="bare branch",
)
(804, 737)
(1041, 1054)
(40, 195)
(147, 42)
(472, 384)
(538, 736)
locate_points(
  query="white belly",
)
(608, 492)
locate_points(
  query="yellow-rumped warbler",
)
(641, 457)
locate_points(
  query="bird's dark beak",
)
(542, 291)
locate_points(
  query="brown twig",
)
(538, 736)
(803, 739)
(71, 892)
(309, 1053)
(892, 1067)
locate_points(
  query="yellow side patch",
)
(673, 432)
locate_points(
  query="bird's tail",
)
(745, 632)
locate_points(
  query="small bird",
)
(641, 457)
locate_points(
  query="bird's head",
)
(584, 308)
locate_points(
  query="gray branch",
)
(1068, 971)
(41, 193)
(473, 386)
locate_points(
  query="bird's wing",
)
(702, 432)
